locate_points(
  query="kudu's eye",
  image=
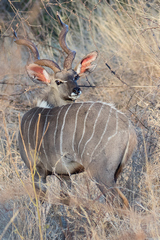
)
(58, 82)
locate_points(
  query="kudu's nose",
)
(76, 90)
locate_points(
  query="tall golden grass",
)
(127, 36)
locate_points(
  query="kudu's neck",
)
(53, 99)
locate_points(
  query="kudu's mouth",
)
(75, 93)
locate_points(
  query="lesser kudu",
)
(63, 137)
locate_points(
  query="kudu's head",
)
(63, 83)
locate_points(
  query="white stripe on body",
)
(94, 127)
(105, 129)
(61, 134)
(35, 128)
(84, 127)
(110, 136)
(30, 123)
(76, 118)
(44, 129)
(24, 126)
(55, 131)
(61, 140)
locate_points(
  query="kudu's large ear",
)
(85, 66)
(38, 74)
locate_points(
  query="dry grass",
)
(127, 37)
